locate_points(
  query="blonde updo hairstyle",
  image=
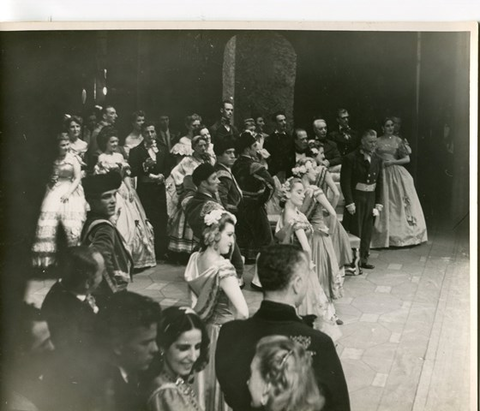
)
(287, 367)
(211, 233)
(287, 187)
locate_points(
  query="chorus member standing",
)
(184, 351)
(293, 227)
(224, 127)
(253, 230)
(260, 127)
(229, 191)
(184, 146)
(108, 118)
(361, 181)
(181, 238)
(281, 377)
(281, 146)
(99, 232)
(332, 155)
(73, 127)
(205, 132)
(149, 163)
(64, 203)
(135, 137)
(89, 122)
(402, 222)
(216, 294)
(168, 138)
(131, 219)
(283, 272)
(302, 150)
(345, 138)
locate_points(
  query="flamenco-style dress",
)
(132, 223)
(214, 308)
(323, 253)
(315, 301)
(71, 214)
(401, 223)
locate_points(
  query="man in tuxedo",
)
(281, 146)
(361, 181)
(345, 137)
(302, 150)
(224, 127)
(332, 155)
(283, 271)
(149, 163)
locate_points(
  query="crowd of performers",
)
(224, 198)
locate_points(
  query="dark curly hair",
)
(106, 133)
(177, 320)
(72, 119)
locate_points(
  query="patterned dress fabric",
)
(401, 223)
(70, 214)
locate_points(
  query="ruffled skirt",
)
(340, 240)
(181, 239)
(133, 225)
(401, 223)
(71, 214)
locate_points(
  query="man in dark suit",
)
(361, 181)
(345, 137)
(224, 127)
(281, 146)
(168, 138)
(100, 233)
(149, 162)
(69, 306)
(283, 273)
(330, 149)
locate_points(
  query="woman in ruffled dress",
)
(184, 351)
(181, 238)
(184, 146)
(324, 256)
(293, 227)
(402, 222)
(73, 127)
(216, 295)
(131, 220)
(64, 203)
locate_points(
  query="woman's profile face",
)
(388, 128)
(297, 194)
(226, 239)
(182, 355)
(112, 145)
(256, 384)
(74, 129)
(312, 173)
(200, 147)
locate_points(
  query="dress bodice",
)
(112, 162)
(389, 148)
(64, 169)
(299, 222)
(313, 209)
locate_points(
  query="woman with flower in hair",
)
(216, 295)
(323, 252)
(64, 203)
(293, 227)
(324, 181)
(281, 377)
(183, 344)
(130, 218)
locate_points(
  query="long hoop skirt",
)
(133, 225)
(340, 240)
(71, 214)
(401, 223)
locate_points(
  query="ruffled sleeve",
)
(168, 397)
(226, 270)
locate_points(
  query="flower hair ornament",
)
(286, 188)
(211, 233)
(300, 171)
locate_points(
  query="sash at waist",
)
(365, 187)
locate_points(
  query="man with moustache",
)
(345, 138)
(332, 155)
(224, 127)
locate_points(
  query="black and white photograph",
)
(244, 216)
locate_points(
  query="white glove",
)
(376, 213)
(351, 208)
